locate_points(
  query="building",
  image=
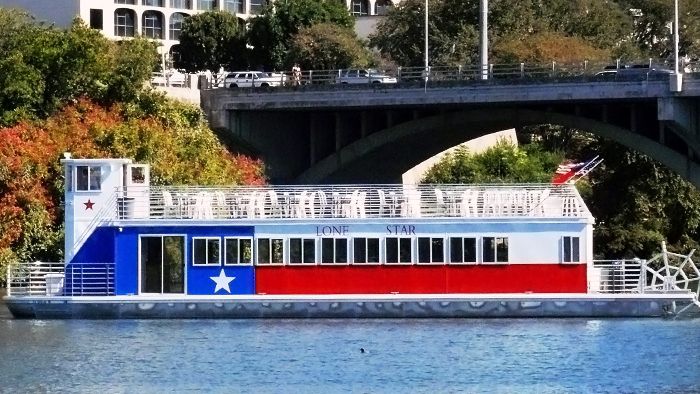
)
(161, 20)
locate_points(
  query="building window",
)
(124, 22)
(256, 6)
(154, 3)
(359, 8)
(365, 250)
(398, 251)
(176, 21)
(153, 24)
(185, 4)
(206, 5)
(334, 251)
(570, 246)
(494, 249)
(431, 250)
(462, 250)
(88, 178)
(270, 251)
(206, 251)
(238, 251)
(302, 251)
(132, 2)
(234, 6)
(96, 19)
(382, 7)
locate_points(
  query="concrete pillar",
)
(364, 124)
(338, 132)
(312, 139)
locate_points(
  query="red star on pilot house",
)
(88, 204)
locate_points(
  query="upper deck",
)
(345, 201)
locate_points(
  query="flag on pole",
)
(570, 171)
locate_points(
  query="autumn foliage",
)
(172, 137)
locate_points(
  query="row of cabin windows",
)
(397, 250)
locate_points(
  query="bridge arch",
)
(385, 155)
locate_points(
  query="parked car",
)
(248, 79)
(633, 73)
(353, 76)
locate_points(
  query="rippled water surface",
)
(290, 356)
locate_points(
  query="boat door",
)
(162, 264)
(137, 193)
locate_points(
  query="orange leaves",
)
(179, 150)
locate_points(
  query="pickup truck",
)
(369, 75)
(253, 79)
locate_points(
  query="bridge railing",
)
(647, 69)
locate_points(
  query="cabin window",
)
(206, 251)
(462, 250)
(239, 251)
(571, 249)
(398, 250)
(302, 251)
(270, 251)
(365, 250)
(431, 250)
(494, 249)
(88, 178)
(334, 251)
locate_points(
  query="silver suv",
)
(253, 79)
(369, 75)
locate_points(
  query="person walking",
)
(296, 75)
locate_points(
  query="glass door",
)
(163, 264)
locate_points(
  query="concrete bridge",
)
(374, 133)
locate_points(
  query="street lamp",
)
(426, 42)
(677, 77)
(484, 31)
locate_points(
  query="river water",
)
(324, 356)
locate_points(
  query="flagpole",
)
(484, 39)
(427, 64)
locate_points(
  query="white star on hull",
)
(222, 281)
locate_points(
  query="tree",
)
(173, 137)
(133, 62)
(547, 45)
(211, 40)
(453, 27)
(270, 34)
(452, 32)
(502, 163)
(327, 47)
(43, 68)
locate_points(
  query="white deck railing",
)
(55, 279)
(352, 201)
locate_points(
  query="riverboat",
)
(134, 250)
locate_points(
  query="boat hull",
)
(358, 306)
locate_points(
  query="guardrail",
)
(648, 69)
(618, 276)
(350, 201)
(56, 279)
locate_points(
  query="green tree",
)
(452, 37)
(132, 64)
(210, 40)
(502, 163)
(325, 46)
(453, 27)
(270, 34)
(43, 68)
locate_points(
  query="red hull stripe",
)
(421, 279)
